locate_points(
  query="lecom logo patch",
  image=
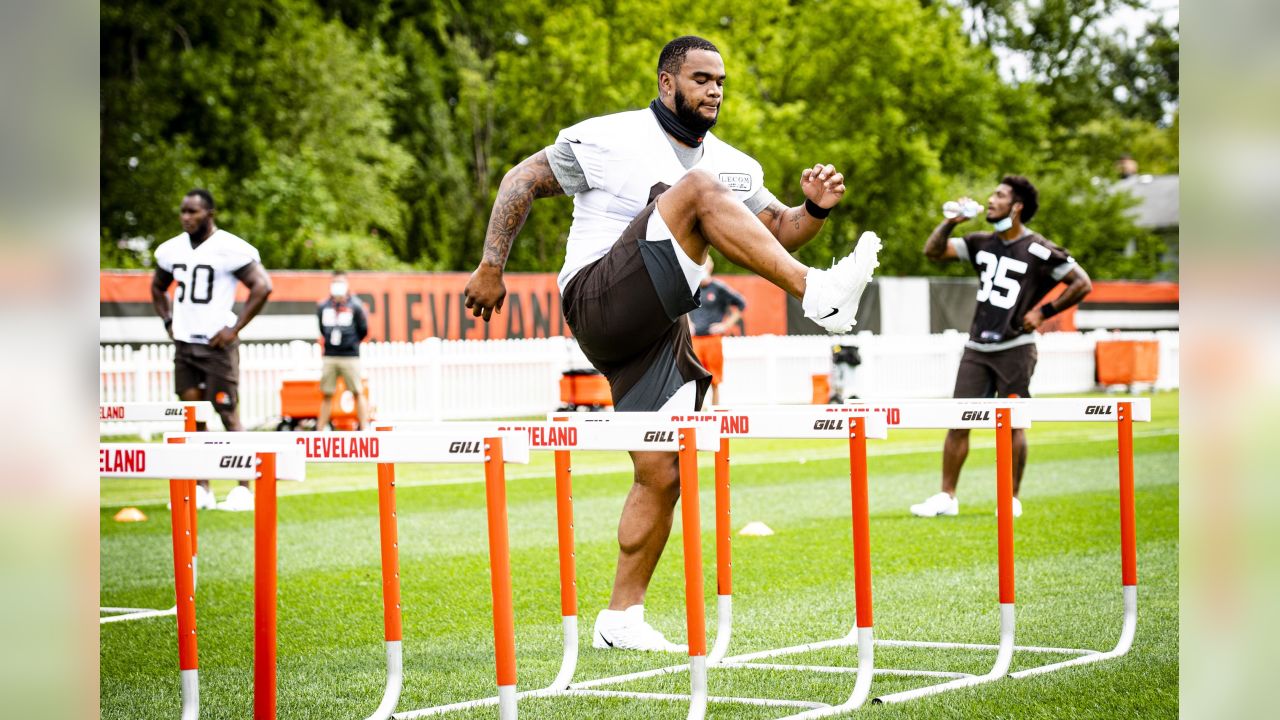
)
(736, 181)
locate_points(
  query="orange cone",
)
(130, 514)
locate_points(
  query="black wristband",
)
(168, 322)
(818, 212)
(1047, 310)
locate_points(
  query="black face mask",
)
(684, 124)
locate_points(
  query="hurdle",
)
(190, 413)
(915, 414)
(175, 459)
(817, 422)
(444, 446)
(561, 438)
(1054, 410)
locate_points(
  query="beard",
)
(690, 117)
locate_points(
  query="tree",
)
(281, 114)
(375, 134)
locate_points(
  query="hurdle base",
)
(569, 662)
(395, 680)
(1004, 656)
(190, 681)
(1125, 642)
(724, 629)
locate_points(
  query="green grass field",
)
(933, 580)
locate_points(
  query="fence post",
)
(434, 372)
(140, 392)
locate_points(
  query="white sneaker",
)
(204, 500)
(940, 504)
(627, 630)
(1017, 508)
(240, 499)
(831, 296)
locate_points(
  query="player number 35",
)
(996, 286)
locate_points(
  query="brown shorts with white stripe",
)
(627, 312)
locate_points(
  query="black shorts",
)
(627, 312)
(1001, 374)
(215, 371)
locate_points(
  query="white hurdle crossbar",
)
(448, 444)
(140, 460)
(640, 433)
(189, 413)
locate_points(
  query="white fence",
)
(769, 369)
(436, 379)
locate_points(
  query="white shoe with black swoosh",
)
(627, 630)
(831, 296)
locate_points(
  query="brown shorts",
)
(215, 371)
(627, 312)
(710, 352)
(1001, 374)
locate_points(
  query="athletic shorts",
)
(215, 371)
(627, 312)
(1001, 374)
(710, 352)
(345, 366)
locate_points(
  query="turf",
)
(933, 580)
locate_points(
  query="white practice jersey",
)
(206, 282)
(623, 156)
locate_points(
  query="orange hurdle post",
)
(189, 425)
(504, 624)
(724, 557)
(265, 583)
(1128, 529)
(691, 528)
(724, 533)
(389, 540)
(1004, 503)
(182, 504)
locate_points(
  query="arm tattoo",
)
(771, 216)
(936, 245)
(793, 227)
(524, 183)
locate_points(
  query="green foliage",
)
(1083, 215)
(339, 131)
(281, 114)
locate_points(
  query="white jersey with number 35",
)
(205, 289)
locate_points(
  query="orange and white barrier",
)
(660, 435)
(139, 460)
(189, 413)
(1093, 410)
(445, 445)
(1000, 415)
(497, 442)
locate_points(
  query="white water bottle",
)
(953, 209)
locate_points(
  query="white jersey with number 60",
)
(205, 289)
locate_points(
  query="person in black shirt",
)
(1016, 268)
(343, 325)
(718, 311)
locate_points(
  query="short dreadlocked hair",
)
(673, 54)
(1025, 193)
